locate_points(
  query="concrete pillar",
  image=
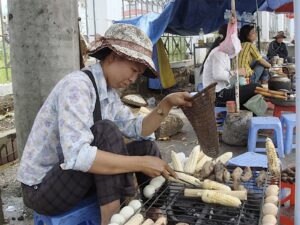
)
(44, 48)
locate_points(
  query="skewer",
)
(271, 91)
(263, 93)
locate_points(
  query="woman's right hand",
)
(154, 166)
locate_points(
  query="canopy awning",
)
(186, 17)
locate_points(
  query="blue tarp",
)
(272, 5)
(186, 17)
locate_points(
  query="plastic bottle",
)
(201, 37)
(244, 17)
(227, 14)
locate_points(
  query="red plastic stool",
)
(278, 109)
(287, 214)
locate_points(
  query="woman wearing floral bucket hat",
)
(76, 144)
(278, 47)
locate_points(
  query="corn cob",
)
(191, 163)
(242, 195)
(137, 219)
(273, 161)
(189, 179)
(201, 162)
(148, 222)
(172, 179)
(177, 165)
(186, 179)
(161, 221)
(224, 158)
(201, 155)
(220, 198)
(213, 185)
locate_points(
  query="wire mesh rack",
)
(170, 201)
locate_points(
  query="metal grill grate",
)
(170, 201)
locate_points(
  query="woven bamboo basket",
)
(202, 117)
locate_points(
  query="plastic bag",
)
(257, 105)
(232, 44)
(242, 80)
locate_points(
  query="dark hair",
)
(244, 33)
(102, 54)
(222, 35)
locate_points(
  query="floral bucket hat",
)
(127, 41)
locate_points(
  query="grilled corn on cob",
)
(190, 165)
(177, 165)
(213, 185)
(273, 160)
(220, 198)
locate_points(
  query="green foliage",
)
(177, 48)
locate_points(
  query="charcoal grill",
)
(170, 201)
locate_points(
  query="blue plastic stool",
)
(251, 159)
(288, 123)
(218, 121)
(87, 212)
(258, 123)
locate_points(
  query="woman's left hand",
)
(182, 99)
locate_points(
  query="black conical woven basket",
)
(202, 117)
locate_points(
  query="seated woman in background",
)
(250, 58)
(216, 68)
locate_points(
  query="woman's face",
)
(120, 72)
(252, 35)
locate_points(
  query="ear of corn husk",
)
(177, 165)
(213, 185)
(190, 165)
(273, 160)
(242, 195)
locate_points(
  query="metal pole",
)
(297, 57)
(257, 27)
(237, 83)
(94, 15)
(3, 42)
(123, 9)
(87, 22)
